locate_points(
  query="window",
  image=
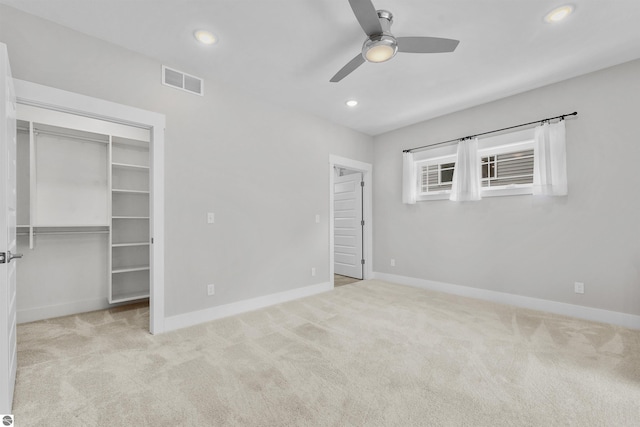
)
(507, 167)
(436, 177)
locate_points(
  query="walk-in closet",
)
(83, 193)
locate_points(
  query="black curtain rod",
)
(575, 113)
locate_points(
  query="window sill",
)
(436, 196)
(518, 190)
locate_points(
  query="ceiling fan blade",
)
(426, 44)
(367, 16)
(348, 69)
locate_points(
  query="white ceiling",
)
(285, 51)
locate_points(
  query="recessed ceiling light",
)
(205, 37)
(558, 14)
(351, 103)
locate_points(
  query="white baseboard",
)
(48, 312)
(595, 314)
(194, 318)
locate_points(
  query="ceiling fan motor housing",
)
(381, 47)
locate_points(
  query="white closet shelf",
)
(121, 190)
(125, 245)
(130, 217)
(123, 297)
(66, 225)
(129, 166)
(129, 269)
(130, 142)
(62, 233)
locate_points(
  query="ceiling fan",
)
(381, 45)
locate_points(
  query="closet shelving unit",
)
(74, 182)
(129, 238)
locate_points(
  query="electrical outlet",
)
(393, 262)
(313, 271)
(211, 289)
(578, 287)
(211, 218)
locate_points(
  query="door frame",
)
(37, 95)
(367, 250)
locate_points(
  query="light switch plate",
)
(210, 218)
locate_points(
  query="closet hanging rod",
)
(561, 117)
(82, 138)
(23, 233)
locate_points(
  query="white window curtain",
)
(550, 160)
(467, 172)
(409, 179)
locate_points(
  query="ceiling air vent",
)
(179, 80)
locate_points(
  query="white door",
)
(8, 361)
(347, 211)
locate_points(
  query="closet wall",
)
(83, 213)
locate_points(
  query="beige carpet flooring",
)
(369, 354)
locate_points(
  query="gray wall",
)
(262, 170)
(523, 245)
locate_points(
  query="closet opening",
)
(88, 194)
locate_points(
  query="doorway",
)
(81, 106)
(350, 224)
(348, 189)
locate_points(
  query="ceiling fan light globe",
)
(380, 53)
(379, 48)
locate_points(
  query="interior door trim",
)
(29, 93)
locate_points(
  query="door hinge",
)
(3, 257)
(362, 261)
(152, 240)
(361, 183)
(362, 223)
